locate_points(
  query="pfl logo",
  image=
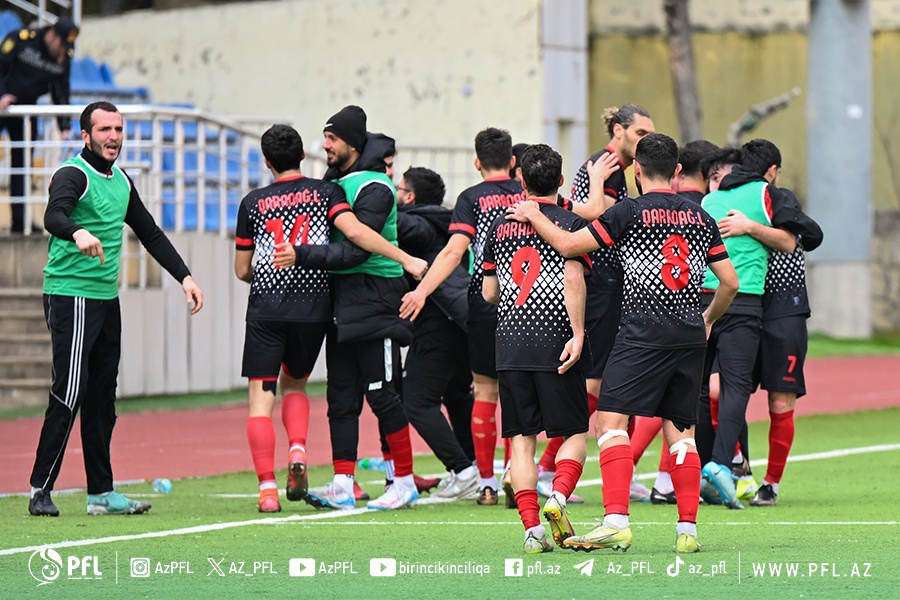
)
(45, 566)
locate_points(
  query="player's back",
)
(533, 324)
(293, 209)
(664, 242)
(476, 209)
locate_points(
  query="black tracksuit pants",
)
(86, 338)
(358, 369)
(437, 368)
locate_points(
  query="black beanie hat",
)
(349, 124)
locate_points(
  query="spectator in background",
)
(33, 62)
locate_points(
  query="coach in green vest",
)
(90, 200)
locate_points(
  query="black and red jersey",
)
(785, 292)
(476, 209)
(532, 322)
(296, 209)
(664, 243)
(606, 277)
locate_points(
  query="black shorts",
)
(602, 315)
(483, 348)
(782, 354)
(269, 345)
(536, 401)
(654, 382)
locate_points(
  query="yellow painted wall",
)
(736, 70)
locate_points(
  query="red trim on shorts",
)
(262, 379)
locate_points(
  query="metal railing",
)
(190, 167)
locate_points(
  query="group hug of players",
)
(555, 307)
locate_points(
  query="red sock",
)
(646, 429)
(401, 451)
(714, 411)
(507, 451)
(568, 472)
(616, 468)
(548, 458)
(295, 416)
(781, 438)
(664, 457)
(484, 436)
(261, 435)
(593, 401)
(686, 480)
(344, 467)
(527, 501)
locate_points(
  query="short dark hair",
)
(759, 155)
(657, 154)
(426, 184)
(283, 147)
(493, 147)
(541, 169)
(517, 149)
(718, 159)
(624, 116)
(692, 154)
(86, 115)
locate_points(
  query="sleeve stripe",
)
(716, 253)
(462, 228)
(338, 208)
(767, 205)
(601, 234)
(489, 266)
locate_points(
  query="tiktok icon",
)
(674, 568)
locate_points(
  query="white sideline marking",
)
(358, 511)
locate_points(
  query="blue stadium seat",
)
(9, 21)
(212, 215)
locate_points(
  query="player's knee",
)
(781, 402)
(680, 449)
(610, 434)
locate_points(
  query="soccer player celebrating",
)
(476, 209)
(540, 335)
(626, 126)
(290, 308)
(664, 243)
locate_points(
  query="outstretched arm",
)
(569, 244)
(737, 223)
(443, 265)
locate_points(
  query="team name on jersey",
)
(514, 229)
(486, 203)
(287, 200)
(662, 216)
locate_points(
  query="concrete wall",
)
(425, 72)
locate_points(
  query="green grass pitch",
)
(834, 534)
